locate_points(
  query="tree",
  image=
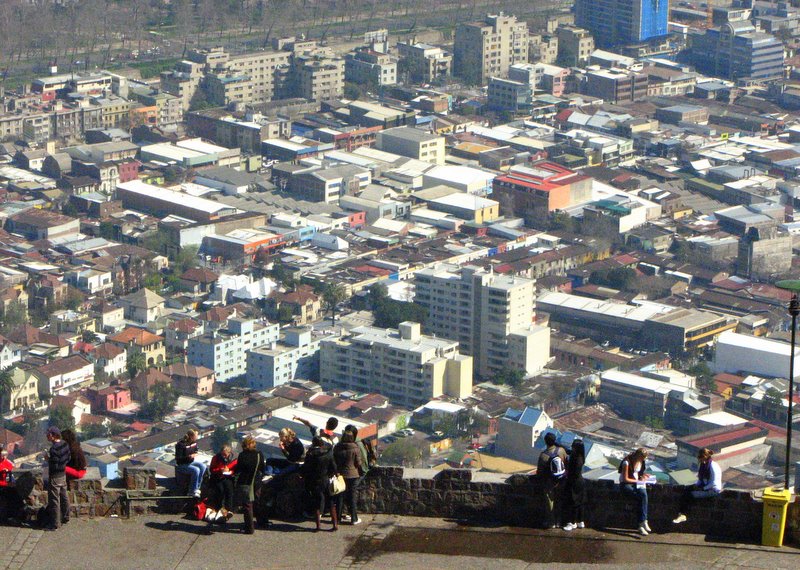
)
(89, 336)
(199, 101)
(136, 363)
(406, 451)
(221, 436)
(62, 418)
(704, 376)
(654, 422)
(773, 398)
(94, 430)
(14, 316)
(509, 376)
(378, 293)
(185, 259)
(73, 299)
(107, 230)
(161, 402)
(6, 386)
(332, 296)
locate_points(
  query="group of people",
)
(237, 480)
(564, 489)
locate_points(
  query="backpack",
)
(556, 463)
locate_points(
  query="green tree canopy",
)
(509, 376)
(221, 436)
(136, 363)
(62, 418)
(161, 402)
(332, 296)
(6, 387)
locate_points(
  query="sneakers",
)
(647, 527)
(679, 519)
(581, 525)
(570, 526)
(642, 530)
(345, 518)
(355, 522)
(197, 494)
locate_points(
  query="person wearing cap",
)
(57, 459)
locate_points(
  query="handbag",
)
(336, 485)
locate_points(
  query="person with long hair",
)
(76, 468)
(348, 464)
(707, 486)
(632, 478)
(248, 469)
(185, 454)
(575, 490)
(292, 449)
(318, 468)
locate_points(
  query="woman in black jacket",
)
(317, 470)
(575, 490)
(248, 471)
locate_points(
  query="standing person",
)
(317, 470)
(348, 465)
(248, 469)
(76, 468)
(328, 432)
(221, 469)
(293, 451)
(631, 477)
(707, 486)
(551, 471)
(575, 488)
(57, 459)
(185, 453)
(7, 493)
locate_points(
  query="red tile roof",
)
(139, 337)
(63, 366)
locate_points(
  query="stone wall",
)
(454, 493)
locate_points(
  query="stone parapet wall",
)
(453, 493)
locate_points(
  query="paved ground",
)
(379, 542)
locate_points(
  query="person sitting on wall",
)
(707, 486)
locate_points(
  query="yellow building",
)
(136, 340)
(25, 393)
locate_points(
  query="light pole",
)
(794, 310)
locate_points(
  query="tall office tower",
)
(488, 48)
(490, 315)
(622, 22)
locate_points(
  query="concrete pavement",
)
(170, 542)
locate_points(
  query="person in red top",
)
(76, 468)
(6, 467)
(221, 468)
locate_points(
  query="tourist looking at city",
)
(76, 468)
(317, 470)
(551, 471)
(293, 451)
(185, 463)
(221, 470)
(57, 458)
(633, 480)
(348, 463)
(248, 470)
(327, 432)
(707, 486)
(575, 487)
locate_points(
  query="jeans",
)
(692, 493)
(279, 466)
(57, 499)
(639, 493)
(351, 496)
(195, 470)
(224, 487)
(552, 492)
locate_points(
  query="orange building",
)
(540, 189)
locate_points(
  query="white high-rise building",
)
(490, 315)
(405, 366)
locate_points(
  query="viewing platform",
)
(383, 541)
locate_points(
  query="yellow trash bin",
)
(776, 502)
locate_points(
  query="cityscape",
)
(465, 228)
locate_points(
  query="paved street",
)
(380, 542)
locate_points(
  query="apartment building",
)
(490, 315)
(245, 131)
(616, 85)
(620, 22)
(403, 365)
(318, 77)
(368, 67)
(575, 45)
(487, 49)
(737, 50)
(508, 95)
(413, 143)
(424, 63)
(225, 350)
(183, 81)
(296, 356)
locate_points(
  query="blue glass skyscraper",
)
(622, 22)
